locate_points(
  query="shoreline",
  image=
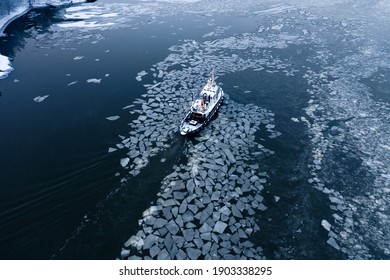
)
(21, 11)
(5, 62)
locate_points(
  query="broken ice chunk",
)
(326, 225)
(134, 241)
(72, 83)
(149, 241)
(230, 156)
(193, 254)
(125, 161)
(181, 255)
(112, 118)
(154, 251)
(332, 242)
(127, 107)
(125, 253)
(140, 75)
(219, 227)
(40, 98)
(94, 80)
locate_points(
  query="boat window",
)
(198, 117)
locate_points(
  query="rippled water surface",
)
(295, 165)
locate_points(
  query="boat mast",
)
(212, 80)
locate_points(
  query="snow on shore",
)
(5, 66)
(11, 17)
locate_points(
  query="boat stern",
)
(187, 128)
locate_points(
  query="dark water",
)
(63, 196)
(55, 166)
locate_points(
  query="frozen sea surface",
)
(294, 166)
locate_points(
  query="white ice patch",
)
(140, 75)
(360, 133)
(89, 15)
(125, 162)
(94, 81)
(84, 24)
(5, 66)
(127, 107)
(78, 57)
(112, 118)
(277, 27)
(326, 225)
(276, 10)
(40, 98)
(72, 83)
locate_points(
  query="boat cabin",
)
(206, 100)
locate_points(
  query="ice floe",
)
(94, 81)
(39, 98)
(112, 118)
(140, 75)
(326, 225)
(85, 24)
(347, 125)
(72, 83)
(124, 162)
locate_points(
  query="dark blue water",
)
(54, 162)
(62, 195)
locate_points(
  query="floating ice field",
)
(364, 123)
(341, 115)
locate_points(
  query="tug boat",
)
(203, 108)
